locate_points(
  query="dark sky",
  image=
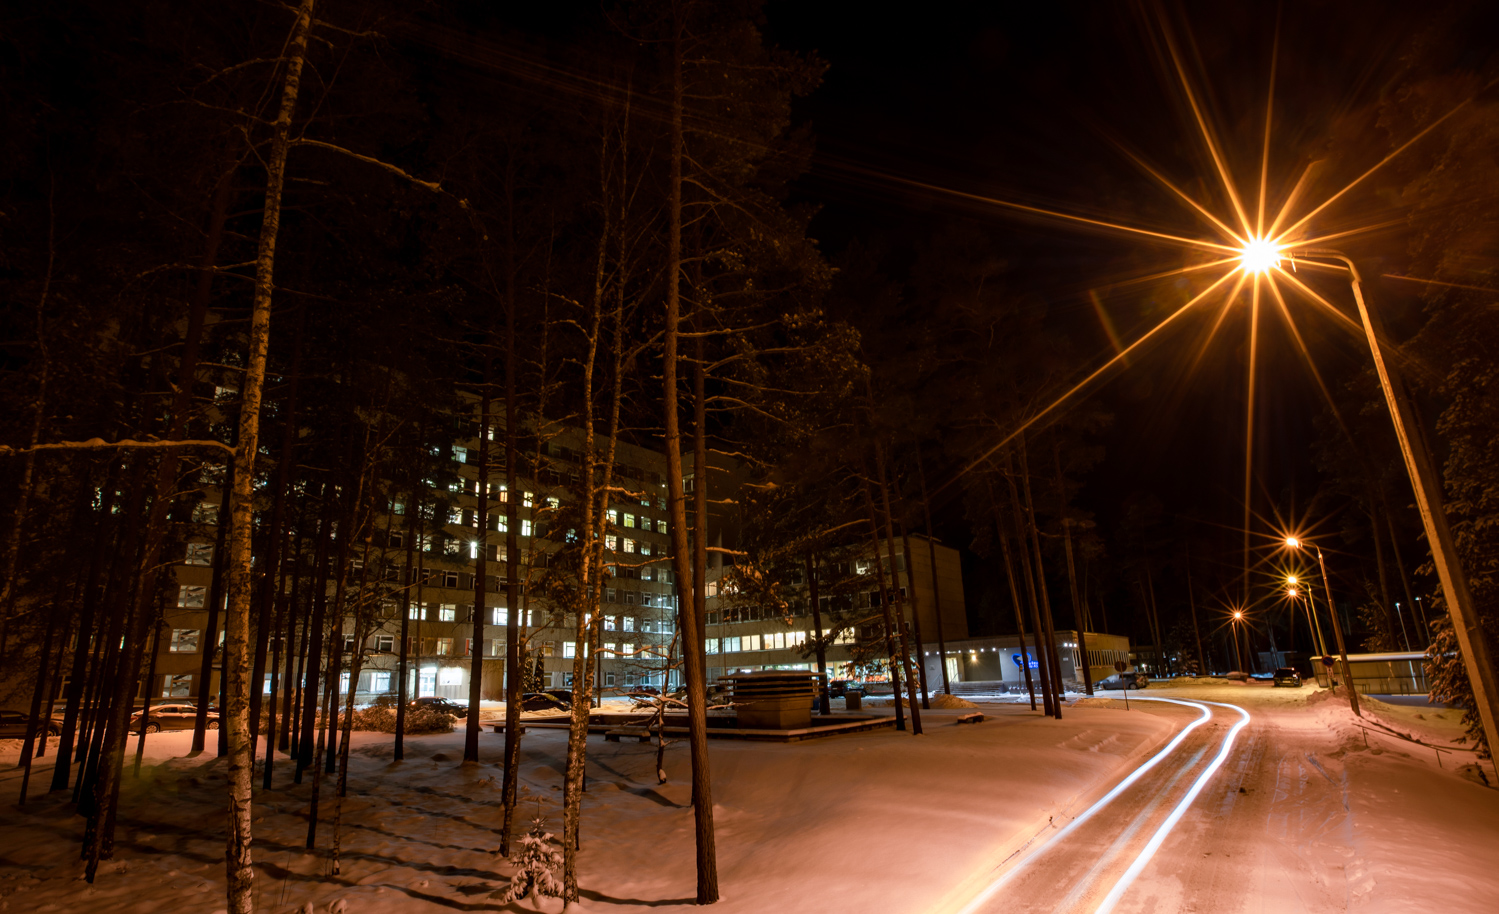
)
(1035, 103)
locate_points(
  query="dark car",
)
(563, 695)
(1125, 681)
(1287, 676)
(841, 688)
(173, 715)
(14, 725)
(438, 703)
(543, 701)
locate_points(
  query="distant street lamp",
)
(1337, 629)
(1420, 468)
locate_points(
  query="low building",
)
(998, 658)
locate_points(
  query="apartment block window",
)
(629, 545)
(343, 681)
(752, 642)
(611, 649)
(447, 612)
(613, 516)
(629, 623)
(184, 641)
(665, 623)
(398, 508)
(775, 641)
(450, 676)
(451, 546)
(569, 650)
(711, 645)
(611, 596)
(417, 611)
(629, 520)
(444, 646)
(796, 639)
(731, 645)
(500, 616)
(608, 679)
(468, 647)
(177, 685)
(627, 649)
(348, 644)
(191, 596)
(549, 649)
(455, 516)
(460, 454)
(629, 598)
(611, 542)
(379, 681)
(396, 538)
(199, 554)
(496, 647)
(205, 512)
(385, 644)
(610, 621)
(661, 526)
(629, 679)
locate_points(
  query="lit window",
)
(629, 545)
(629, 520)
(549, 649)
(629, 623)
(528, 499)
(613, 516)
(609, 621)
(450, 676)
(569, 649)
(199, 554)
(343, 681)
(501, 616)
(712, 645)
(525, 528)
(752, 642)
(611, 542)
(191, 596)
(610, 648)
(379, 681)
(385, 644)
(417, 611)
(177, 685)
(184, 641)
(444, 646)
(447, 612)
(660, 526)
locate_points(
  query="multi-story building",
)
(746, 638)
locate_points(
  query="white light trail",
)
(1159, 837)
(993, 887)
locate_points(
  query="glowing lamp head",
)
(1291, 579)
(1238, 615)
(1259, 256)
(1291, 593)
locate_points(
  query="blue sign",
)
(1015, 658)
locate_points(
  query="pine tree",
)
(537, 875)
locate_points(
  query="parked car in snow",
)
(1287, 676)
(438, 703)
(1125, 681)
(173, 715)
(543, 701)
(14, 724)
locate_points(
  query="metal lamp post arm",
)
(1337, 629)
(1422, 471)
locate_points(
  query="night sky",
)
(1039, 104)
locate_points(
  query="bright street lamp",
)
(1419, 466)
(1337, 629)
(1259, 255)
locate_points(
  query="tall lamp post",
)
(1418, 464)
(1337, 627)
(1234, 628)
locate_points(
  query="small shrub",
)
(418, 720)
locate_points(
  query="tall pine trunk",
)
(1001, 532)
(693, 658)
(1079, 611)
(237, 858)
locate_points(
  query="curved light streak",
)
(1164, 831)
(993, 887)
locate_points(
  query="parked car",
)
(543, 701)
(1125, 681)
(438, 703)
(173, 715)
(841, 688)
(1287, 676)
(14, 724)
(563, 695)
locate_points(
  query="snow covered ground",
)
(1301, 816)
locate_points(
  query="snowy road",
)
(1235, 814)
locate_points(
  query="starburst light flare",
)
(1260, 256)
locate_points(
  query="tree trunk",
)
(1002, 534)
(1405, 582)
(905, 540)
(931, 548)
(694, 660)
(476, 660)
(1049, 627)
(312, 671)
(823, 706)
(889, 623)
(899, 612)
(237, 858)
(403, 696)
(1079, 611)
(1043, 656)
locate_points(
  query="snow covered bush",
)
(538, 865)
(418, 720)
